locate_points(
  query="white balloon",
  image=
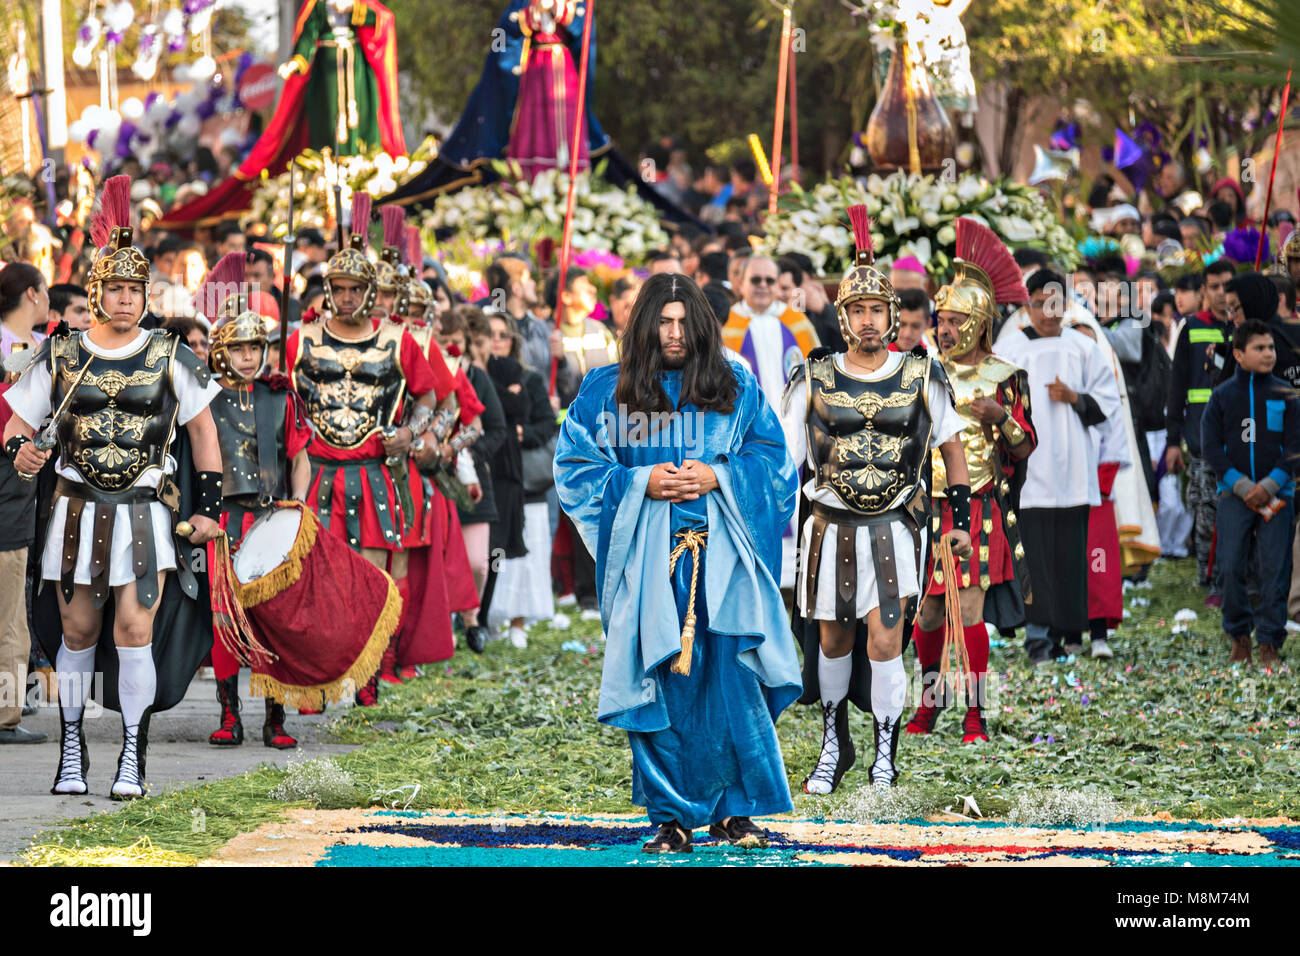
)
(199, 22)
(82, 56)
(92, 114)
(158, 112)
(132, 108)
(77, 131)
(119, 16)
(203, 68)
(189, 125)
(181, 74)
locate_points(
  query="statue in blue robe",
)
(704, 744)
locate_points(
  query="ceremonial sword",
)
(47, 437)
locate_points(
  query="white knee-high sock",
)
(888, 692)
(888, 688)
(137, 682)
(833, 674)
(76, 670)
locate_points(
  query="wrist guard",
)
(464, 438)
(418, 423)
(1011, 430)
(959, 501)
(443, 422)
(209, 501)
(14, 444)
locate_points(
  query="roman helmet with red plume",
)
(985, 275)
(864, 280)
(353, 263)
(110, 231)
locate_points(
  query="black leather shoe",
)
(20, 735)
(671, 838)
(739, 831)
(476, 637)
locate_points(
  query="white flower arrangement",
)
(912, 215)
(605, 218)
(933, 29)
(374, 172)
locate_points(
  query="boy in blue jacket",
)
(1250, 435)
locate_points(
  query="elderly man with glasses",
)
(773, 339)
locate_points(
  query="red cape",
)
(285, 135)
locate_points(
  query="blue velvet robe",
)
(704, 746)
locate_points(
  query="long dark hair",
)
(707, 380)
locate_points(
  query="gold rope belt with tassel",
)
(954, 661)
(694, 542)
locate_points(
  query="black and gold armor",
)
(123, 414)
(352, 388)
(869, 440)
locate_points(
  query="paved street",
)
(179, 755)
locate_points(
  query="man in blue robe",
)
(674, 469)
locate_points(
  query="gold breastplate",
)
(970, 382)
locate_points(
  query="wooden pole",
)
(288, 278)
(779, 124)
(1277, 148)
(794, 120)
(575, 147)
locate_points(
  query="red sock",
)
(929, 645)
(404, 592)
(977, 649)
(224, 663)
(977, 646)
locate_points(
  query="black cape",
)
(182, 629)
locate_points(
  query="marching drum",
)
(325, 611)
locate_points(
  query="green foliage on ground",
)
(1166, 726)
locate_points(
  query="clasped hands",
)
(669, 482)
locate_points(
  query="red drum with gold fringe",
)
(321, 608)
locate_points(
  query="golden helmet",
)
(117, 258)
(1291, 248)
(864, 280)
(985, 275)
(244, 327)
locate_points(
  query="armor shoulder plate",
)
(391, 332)
(821, 366)
(185, 355)
(994, 368)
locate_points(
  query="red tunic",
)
(1105, 562)
(439, 580)
(998, 564)
(422, 377)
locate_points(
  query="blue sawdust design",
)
(590, 841)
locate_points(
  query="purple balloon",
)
(90, 140)
(149, 100)
(85, 34)
(205, 109)
(176, 44)
(114, 36)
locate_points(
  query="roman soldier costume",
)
(261, 425)
(866, 440)
(109, 517)
(355, 390)
(985, 276)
